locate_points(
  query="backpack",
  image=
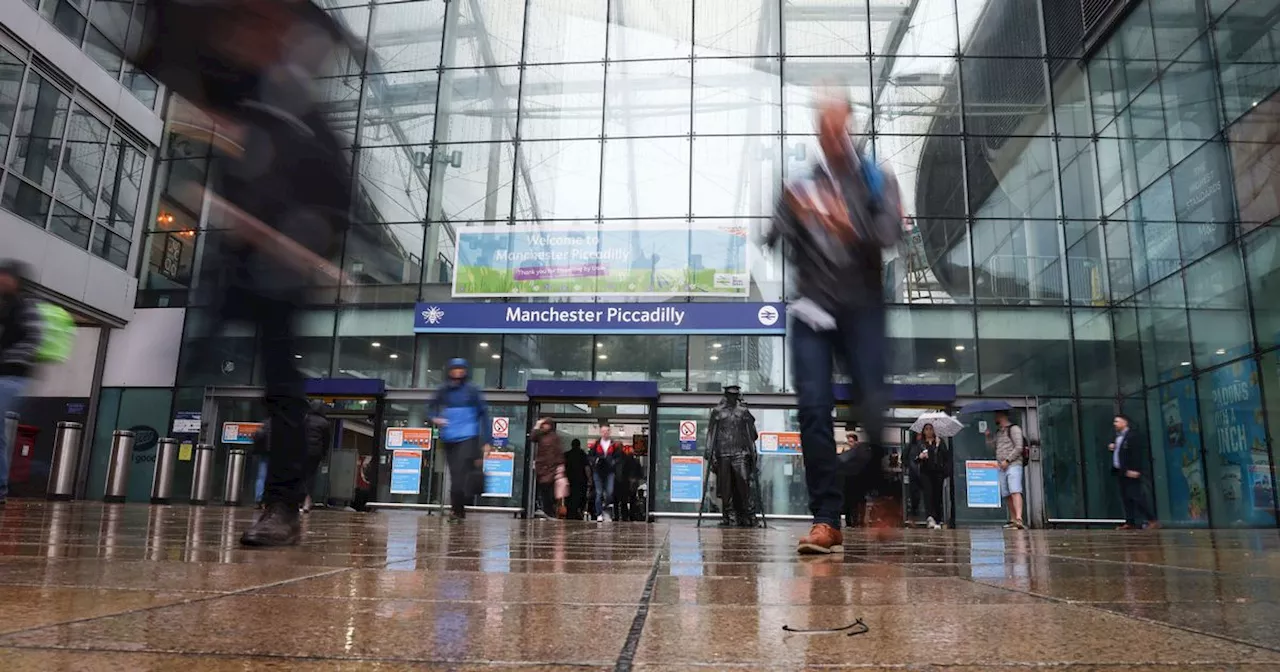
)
(884, 202)
(58, 335)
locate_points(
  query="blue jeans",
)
(11, 388)
(604, 490)
(260, 483)
(859, 341)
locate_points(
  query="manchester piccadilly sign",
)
(600, 318)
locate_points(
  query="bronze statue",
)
(731, 454)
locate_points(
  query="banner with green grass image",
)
(632, 259)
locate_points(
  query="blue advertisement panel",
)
(499, 474)
(406, 472)
(1237, 444)
(640, 258)
(601, 318)
(1184, 471)
(982, 482)
(686, 478)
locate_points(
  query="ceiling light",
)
(942, 360)
(959, 348)
(376, 344)
(602, 356)
(484, 344)
(297, 356)
(496, 356)
(1222, 351)
(599, 344)
(395, 356)
(1186, 363)
(717, 345)
(715, 358)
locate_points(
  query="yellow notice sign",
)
(184, 452)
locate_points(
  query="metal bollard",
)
(118, 466)
(234, 484)
(66, 455)
(202, 479)
(162, 480)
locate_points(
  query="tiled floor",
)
(89, 587)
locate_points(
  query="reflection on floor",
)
(94, 587)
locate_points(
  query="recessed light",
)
(715, 358)
(496, 356)
(942, 360)
(602, 356)
(376, 344)
(297, 356)
(484, 344)
(599, 345)
(1186, 363)
(959, 348)
(395, 356)
(1222, 351)
(717, 345)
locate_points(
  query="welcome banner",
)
(632, 259)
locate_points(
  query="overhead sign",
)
(406, 472)
(601, 318)
(500, 432)
(239, 433)
(409, 438)
(499, 474)
(686, 478)
(982, 484)
(780, 443)
(639, 258)
(688, 435)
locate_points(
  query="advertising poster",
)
(239, 433)
(406, 472)
(409, 438)
(686, 479)
(653, 259)
(982, 483)
(779, 443)
(499, 474)
(1237, 444)
(1180, 438)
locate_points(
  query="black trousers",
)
(547, 498)
(931, 488)
(466, 479)
(1134, 498)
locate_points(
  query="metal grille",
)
(1094, 11)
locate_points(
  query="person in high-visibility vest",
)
(21, 332)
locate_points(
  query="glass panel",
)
(102, 50)
(1202, 200)
(658, 358)
(804, 79)
(1018, 261)
(83, 154)
(751, 362)
(733, 28)
(398, 107)
(926, 28)
(371, 345)
(169, 260)
(483, 33)
(1007, 29)
(67, 17)
(732, 96)
(1219, 308)
(825, 28)
(1071, 99)
(735, 176)
(545, 357)
(474, 182)
(1119, 262)
(25, 201)
(642, 29)
(1011, 177)
(405, 36)
(1086, 268)
(1262, 257)
(1177, 455)
(1270, 376)
(383, 263)
(932, 346)
(339, 99)
(1175, 24)
(1095, 359)
(122, 186)
(565, 31)
(1102, 491)
(1024, 349)
(42, 120)
(562, 101)
(558, 179)
(1078, 178)
(1190, 101)
(935, 268)
(313, 345)
(393, 182)
(1248, 38)
(1147, 128)
(930, 174)
(70, 225)
(1061, 459)
(213, 353)
(916, 95)
(1128, 348)
(435, 351)
(1255, 159)
(141, 85)
(1237, 467)
(648, 98)
(478, 105)
(1005, 96)
(1166, 341)
(11, 70)
(645, 178)
(110, 246)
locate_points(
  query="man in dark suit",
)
(1128, 465)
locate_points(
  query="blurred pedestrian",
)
(21, 331)
(833, 225)
(578, 474)
(461, 415)
(548, 464)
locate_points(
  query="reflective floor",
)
(125, 587)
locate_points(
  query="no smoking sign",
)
(688, 435)
(501, 431)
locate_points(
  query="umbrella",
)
(944, 425)
(985, 406)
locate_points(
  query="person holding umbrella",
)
(929, 459)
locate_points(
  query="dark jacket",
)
(575, 468)
(549, 454)
(316, 428)
(462, 406)
(602, 462)
(937, 463)
(1132, 455)
(21, 331)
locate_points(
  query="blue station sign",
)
(601, 318)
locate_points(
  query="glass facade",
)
(66, 164)
(1095, 229)
(106, 30)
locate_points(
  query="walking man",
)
(1008, 444)
(461, 415)
(20, 334)
(1126, 463)
(833, 225)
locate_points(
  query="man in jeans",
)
(833, 226)
(20, 333)
(461, 416)
(1008, 444)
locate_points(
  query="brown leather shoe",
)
(821, 540)
(1153, 525)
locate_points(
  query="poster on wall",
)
(982, 484)
(637, 259)
(686, 479)
(499, 474)
(1241, 446)
(1184, 471)
(409, 438)
(779, 443)
(406, 472)
(239, 433)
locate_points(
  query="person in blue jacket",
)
(461, 417)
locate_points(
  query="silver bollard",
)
(202, 478)
(118, 466)
(66, 456)
(234, 484)
(162, 481)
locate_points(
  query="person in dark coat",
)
(319, 435)
(548, 461)
(1128, 465)
(929, 459)
(575, 467)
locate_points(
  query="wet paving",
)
(89, 587)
